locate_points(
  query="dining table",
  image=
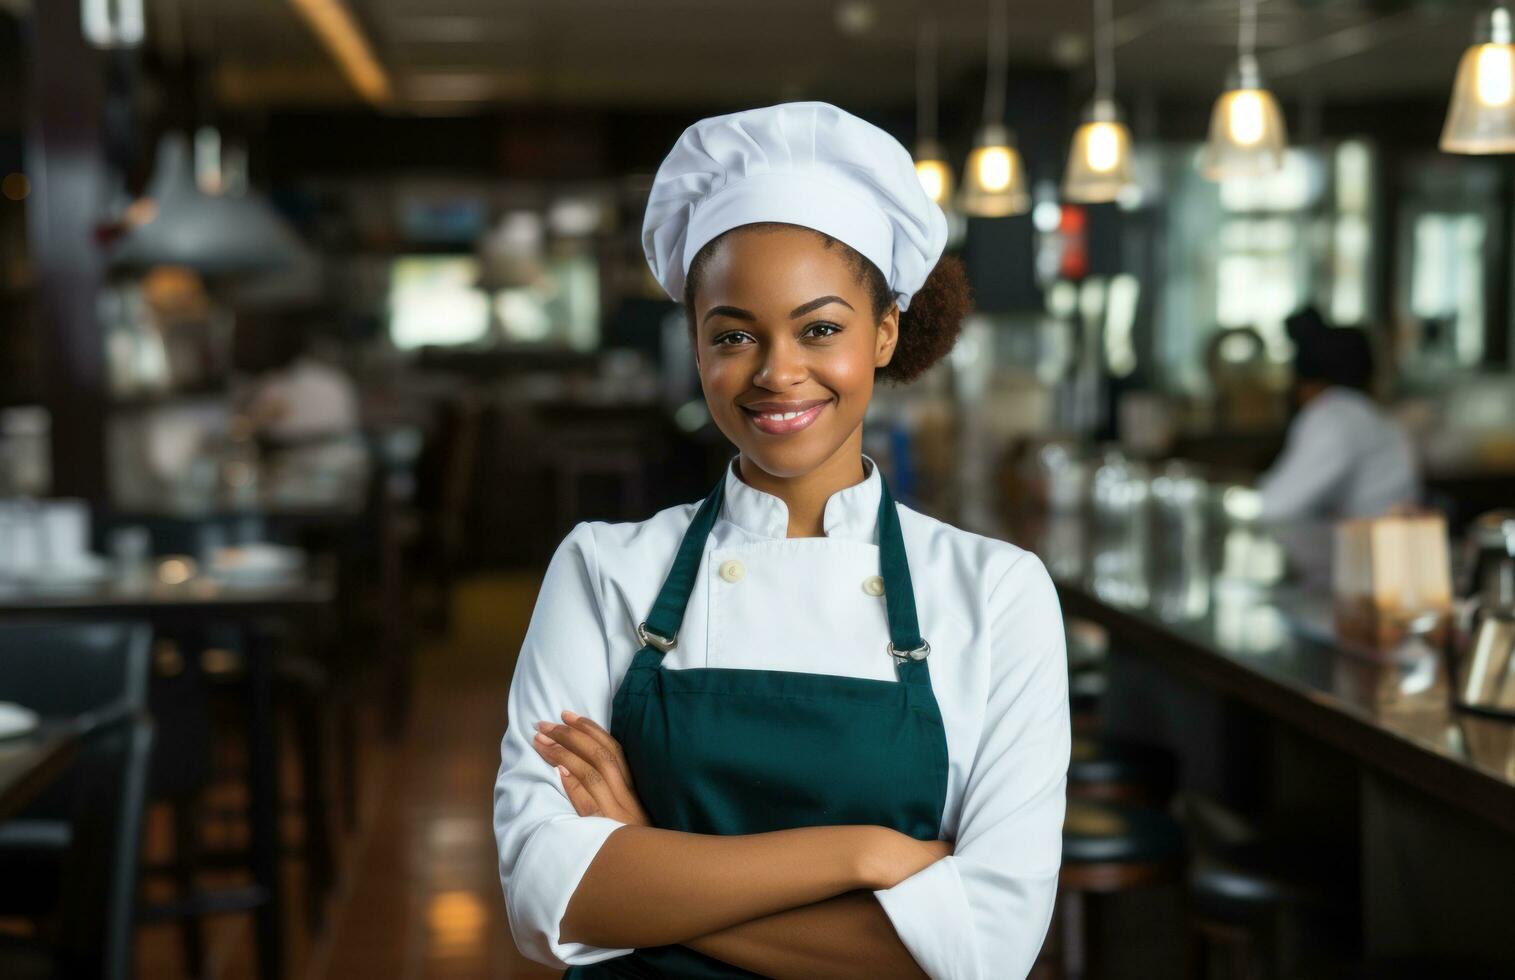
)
(31, 761)
(295, 602)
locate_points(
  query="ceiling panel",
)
(455, 54)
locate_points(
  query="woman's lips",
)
(766, 422)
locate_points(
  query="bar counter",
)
(1220, 656)
(1235, 667)
(1272, 647)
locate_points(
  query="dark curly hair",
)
(928, 329)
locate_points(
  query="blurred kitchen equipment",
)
(1488, 675)
(1490, 542)
(131, 552)
(1488, 670)
(1065, 475)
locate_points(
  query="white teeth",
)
(782, 416)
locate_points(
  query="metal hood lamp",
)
(222, 234)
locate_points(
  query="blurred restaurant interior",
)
(323, 321)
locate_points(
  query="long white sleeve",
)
(545, 847)
(983, 913)
(1311, 472)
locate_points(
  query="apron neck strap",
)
(661, 629)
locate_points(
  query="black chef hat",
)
(1335, 355)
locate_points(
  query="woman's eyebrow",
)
(734, 312)
(816, 304)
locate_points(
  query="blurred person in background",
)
(763, 767)
(302, 408)
(1343, 456)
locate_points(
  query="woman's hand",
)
(593, 768)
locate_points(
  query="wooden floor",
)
(419, 894)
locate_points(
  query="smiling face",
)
(787, 342)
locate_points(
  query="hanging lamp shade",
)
(1481, 117)
(935, 174)
(994, 185)
(1099, 162)
(212, 234)
(1247, 136)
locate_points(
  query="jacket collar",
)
(851, 512)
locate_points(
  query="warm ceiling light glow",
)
(995, 183)
(1245, 119)
(333, 23)
(1099, 162)
(993, 168)
(1102, 147)
(934, 173)
(1247, 137)
(1481, 118)
(1494, 81)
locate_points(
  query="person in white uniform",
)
(1343, 457)
(794, 729)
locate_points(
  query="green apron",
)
(716, 750)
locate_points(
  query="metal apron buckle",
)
(919, 653)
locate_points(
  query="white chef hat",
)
(800, 163)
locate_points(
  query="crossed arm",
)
(792, 903)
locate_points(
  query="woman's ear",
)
(887, 336)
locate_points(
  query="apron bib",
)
(717, 750)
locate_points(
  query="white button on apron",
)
(733, 570)
(874, 585)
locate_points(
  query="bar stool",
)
(1088, 651)
(1086, 694)
(1108, 848)
(1102, 767)
(1249, 900)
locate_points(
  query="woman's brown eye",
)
(833, 328)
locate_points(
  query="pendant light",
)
(995, 183)
(1481, 118)
(930, 165)
(1246, 128)
(214, 234)
(1099, 162)
(189, 215)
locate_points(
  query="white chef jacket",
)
(1342, 458)
(998, 670)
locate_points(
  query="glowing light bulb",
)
(1246, 117)
(1496, 75)
(995, 168)
(1102, 151)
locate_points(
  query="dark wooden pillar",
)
(65, 160)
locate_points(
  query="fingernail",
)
(562, 772)
(542, 738)
(542, 726)
(570, 717)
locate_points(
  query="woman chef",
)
(796, 729)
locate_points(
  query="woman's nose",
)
(783, 365)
